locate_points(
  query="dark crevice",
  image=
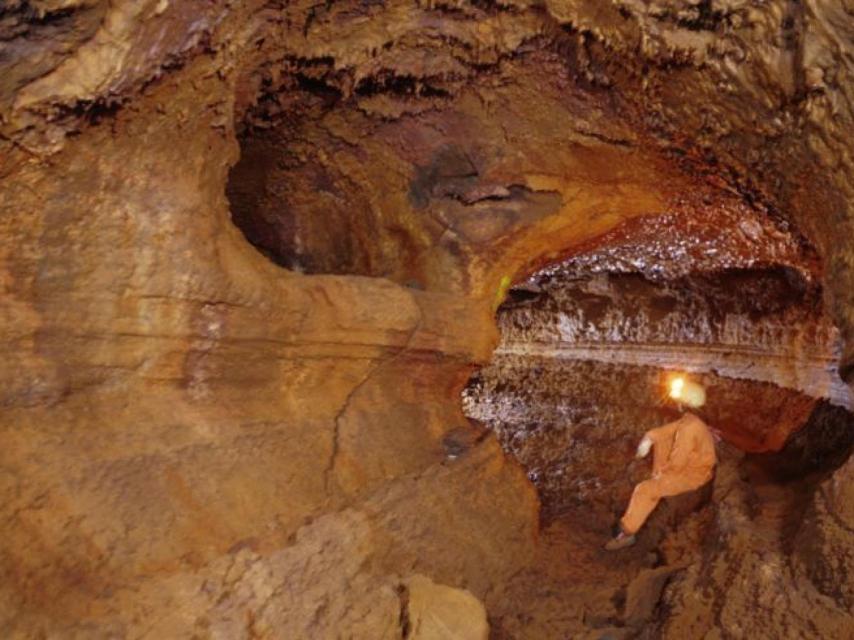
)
(403, 620)
(318, 87)
(398, 85)
(704, 17)
(821, 446)
(18, 17)
(89, 112)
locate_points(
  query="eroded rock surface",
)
(188, 429)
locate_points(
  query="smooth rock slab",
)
(439, 612)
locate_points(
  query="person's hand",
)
(644, 447)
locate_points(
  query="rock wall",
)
(188, 430)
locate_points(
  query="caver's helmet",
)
(686, 392)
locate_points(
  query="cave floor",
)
(575, 589)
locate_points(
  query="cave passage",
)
(587, 345)
(705, 284)
(251, 258)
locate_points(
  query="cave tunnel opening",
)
(730, 296)
(715, 288)
(588, 344)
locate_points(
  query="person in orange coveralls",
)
(683, 460)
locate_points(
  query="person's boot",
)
(621, 541)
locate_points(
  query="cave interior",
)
(344, 319)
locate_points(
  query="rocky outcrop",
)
(823, 546)
(747, 586)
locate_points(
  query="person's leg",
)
(676, 483)
(645, 498)
(649, 493)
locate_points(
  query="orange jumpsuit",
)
(683, 460)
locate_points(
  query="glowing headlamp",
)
(686, 392)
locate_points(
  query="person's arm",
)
(654, 436)
(643, 447)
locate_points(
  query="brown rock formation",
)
(195, 441)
